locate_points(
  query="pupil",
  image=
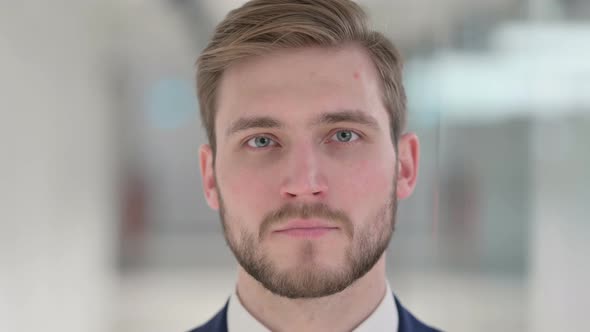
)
(262, 141)
(344, 135)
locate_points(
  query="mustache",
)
(305, 211)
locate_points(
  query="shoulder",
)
(409, 323)
(216, 324)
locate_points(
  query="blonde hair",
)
(261, 26)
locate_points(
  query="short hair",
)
(261, 26)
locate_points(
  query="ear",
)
(408, 158)
(208, 176)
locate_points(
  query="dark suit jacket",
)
(407, 322)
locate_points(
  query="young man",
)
(305, 112)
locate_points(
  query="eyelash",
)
(360, 136)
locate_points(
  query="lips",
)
(306, 228)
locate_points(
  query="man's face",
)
(305, 169)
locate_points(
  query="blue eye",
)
(260, 142)
(345, 136)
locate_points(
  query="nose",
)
(303, 178)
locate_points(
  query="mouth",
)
(307, 228)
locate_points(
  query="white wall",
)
(56, 192)
(560, 270)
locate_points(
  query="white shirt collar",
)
(384, 318)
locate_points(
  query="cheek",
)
(367, 182)
(246, 191)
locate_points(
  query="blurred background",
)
(103, 225)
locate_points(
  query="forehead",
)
(296, 84)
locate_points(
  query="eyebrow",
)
(354, 116)
(267, 122)
(242, 124)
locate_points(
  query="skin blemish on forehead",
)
(356, 75)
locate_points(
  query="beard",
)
(367, 244)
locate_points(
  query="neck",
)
(333, 312)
